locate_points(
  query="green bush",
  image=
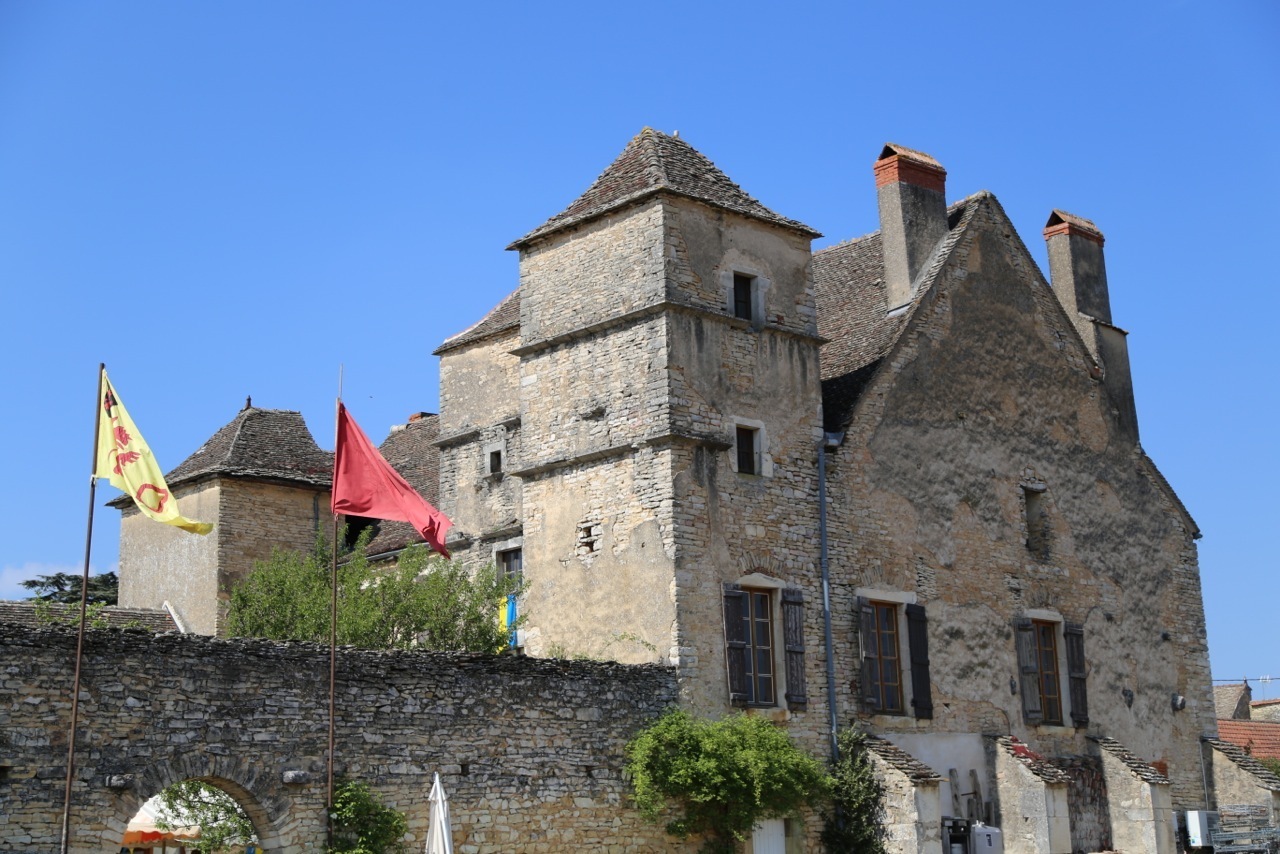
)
(362, 824)
(855, 821)
(725, 775)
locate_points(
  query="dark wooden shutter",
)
(735, 642)
(1073, 634)
(918, 639)
(793, 644)
(1028, 670)
(870, 656)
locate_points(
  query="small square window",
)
(748, 442)
(511, 564)
(743, 296)
(495, 462)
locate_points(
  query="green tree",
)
(64, 587)
(223, 823)
(420, 602)
(856, 820)
(726, 775)
(362, 824)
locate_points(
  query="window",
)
(1044, 645)
(750, 628)
(511, 564)
(1035, 507)
(748, 449)
(885, 683)
(743, 292)
(495, 462)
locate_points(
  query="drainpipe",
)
(829, 440)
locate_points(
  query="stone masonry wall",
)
(160, 563)
(530, 751)
(990, 390)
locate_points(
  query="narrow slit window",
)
(743, 288)
(495, 462)
(748, 450)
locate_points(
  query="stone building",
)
(895, 483)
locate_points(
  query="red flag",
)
(365, 484)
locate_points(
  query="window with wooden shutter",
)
(1028, 670)
(735, 642)
(918, 645)
(793, 644)
(1073, 636)
(870, 655)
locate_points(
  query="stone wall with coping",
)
(529, 750)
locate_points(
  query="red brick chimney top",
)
(897, 163)
(1061, 222)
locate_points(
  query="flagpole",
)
(84, 602)
(333, 620)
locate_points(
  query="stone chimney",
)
(1079, 276)
(911, 187)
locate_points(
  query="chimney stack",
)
(911, 187)
(1079, 276)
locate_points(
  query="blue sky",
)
(231, 199)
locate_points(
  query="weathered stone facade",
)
(529, 750)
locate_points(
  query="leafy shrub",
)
(362, 824)
(855, 821)
(726, 775)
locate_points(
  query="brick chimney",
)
(911, 187)
(1079, 276)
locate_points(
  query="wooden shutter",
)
(735, 642)
(870, 656)
(918, 639)
(1073, 634)
(1028, 670)
(793, 644)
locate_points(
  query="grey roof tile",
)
(502, 317)
(1237, 754)
(654, 162)
(898, 758)
(24, 614)
(267, 444)
(1142, 770)
(412, 451)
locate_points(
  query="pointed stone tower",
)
(665, 363)
(262, 481)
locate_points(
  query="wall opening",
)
(192, 816)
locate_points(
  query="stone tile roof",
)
(1231, 700)
(654, 162)
(1243, 760)
(898, 758)
(1260, 739)
(850, 297)
(504, 316)
(1036, 764)
(267, 444)
(412, 451)
(24, 614)
(1265, 710)
(1140, 769)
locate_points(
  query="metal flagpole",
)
(84, 602)
(333, 619)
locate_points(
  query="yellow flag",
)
(126, 461)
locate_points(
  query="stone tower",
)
(657, 380)
(262, 481)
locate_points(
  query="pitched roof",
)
(654, 162)
(24, 614)
(852, 311)
(1140, 769)
(1035, 763)
(896, 757)
(1237, 754)
(1232, 700)
(412, 451)
(270, 444)
(502, 317)
(1260, 739)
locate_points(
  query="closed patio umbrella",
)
(439, 837)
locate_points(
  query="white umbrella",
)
(439, 839)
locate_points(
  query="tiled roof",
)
(652, 163)
(898, 758)
(24, 614)
(271, 444)
(1236, 754)
(1036, 764)
(1140, 769)
(1231, 701)
(412, 451)
(505, 315)
(849, 292)
(1265, 710)
(1260, 739)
